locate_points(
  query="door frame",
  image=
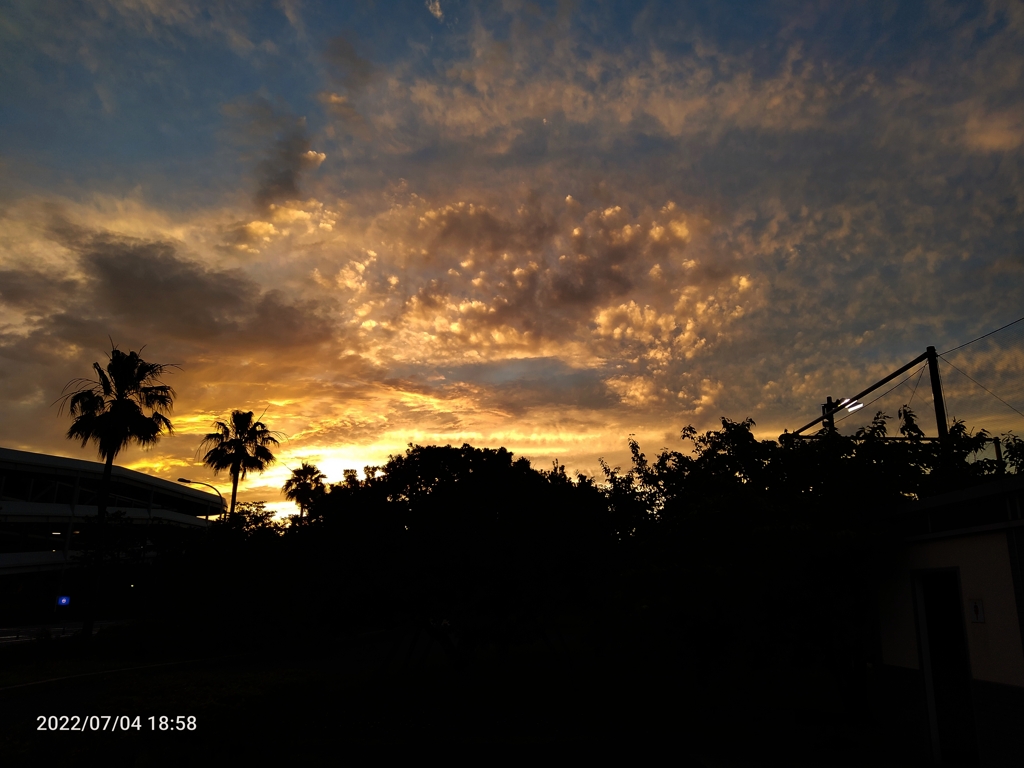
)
(924, 652)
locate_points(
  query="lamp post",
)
(831, 407)
(200, 482)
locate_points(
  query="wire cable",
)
(919, 376)
(997, 397)
(997, 330)
(909, 376)
(942, 394)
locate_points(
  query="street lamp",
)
(831, 407)
(200, 482)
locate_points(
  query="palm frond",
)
(220, 437)
(109, 410)
(263, 454)
(103, 380)
(76, 386)
(159, 397)
(239, 445)
(82, 428)
(162, 422)
(85, 402)
(218, 460)
(80, 384)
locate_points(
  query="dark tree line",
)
(436, 497)
(728, 548)
(469, 537)
(699, 565)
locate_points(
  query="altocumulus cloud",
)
(535, 226)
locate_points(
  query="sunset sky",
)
(539, 226)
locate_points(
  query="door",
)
(946, 666)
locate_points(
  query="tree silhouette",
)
(239, 447)
(111, 410)
(252, 518)
(1014, 448)
(126, 403)
(304, 487)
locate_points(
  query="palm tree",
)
(111, 410)
(126, 403)
(305, 486)
(239, 447)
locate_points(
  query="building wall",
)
(996, 653)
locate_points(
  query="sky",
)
(544, 226)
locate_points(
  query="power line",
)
(909, 376)
(997, 330)
(915, 386)
(997, 397)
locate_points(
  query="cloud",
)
(347, 67)
(292, 9)
(538, 275)
(434, 6)
(543, 228)
(995, 132)
(147, 290)
(278, 173)
(33, 290)
(285, 152)
(511, 94)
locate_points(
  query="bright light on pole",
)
(200, 482)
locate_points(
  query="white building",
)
(45, 499)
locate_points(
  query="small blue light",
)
(63, 600)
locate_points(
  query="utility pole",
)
(940, 406)
(830, 407)
(1000, 466)
(827, 417)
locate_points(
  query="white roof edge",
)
(12, 456)
(15, 511)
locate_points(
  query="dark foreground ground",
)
(376, 693)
